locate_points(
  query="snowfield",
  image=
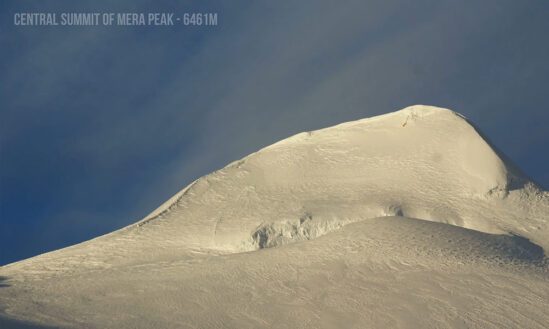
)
(406, 220)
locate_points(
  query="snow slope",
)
(409, 219)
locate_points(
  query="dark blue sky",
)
(100, 125)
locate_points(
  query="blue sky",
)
(100, 125)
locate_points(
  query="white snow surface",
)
(406, 220)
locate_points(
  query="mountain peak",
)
(421, 162)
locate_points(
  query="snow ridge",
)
(422, 162)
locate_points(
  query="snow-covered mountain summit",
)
(422, 162)
(417, 191)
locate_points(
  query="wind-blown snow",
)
(410, 219)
